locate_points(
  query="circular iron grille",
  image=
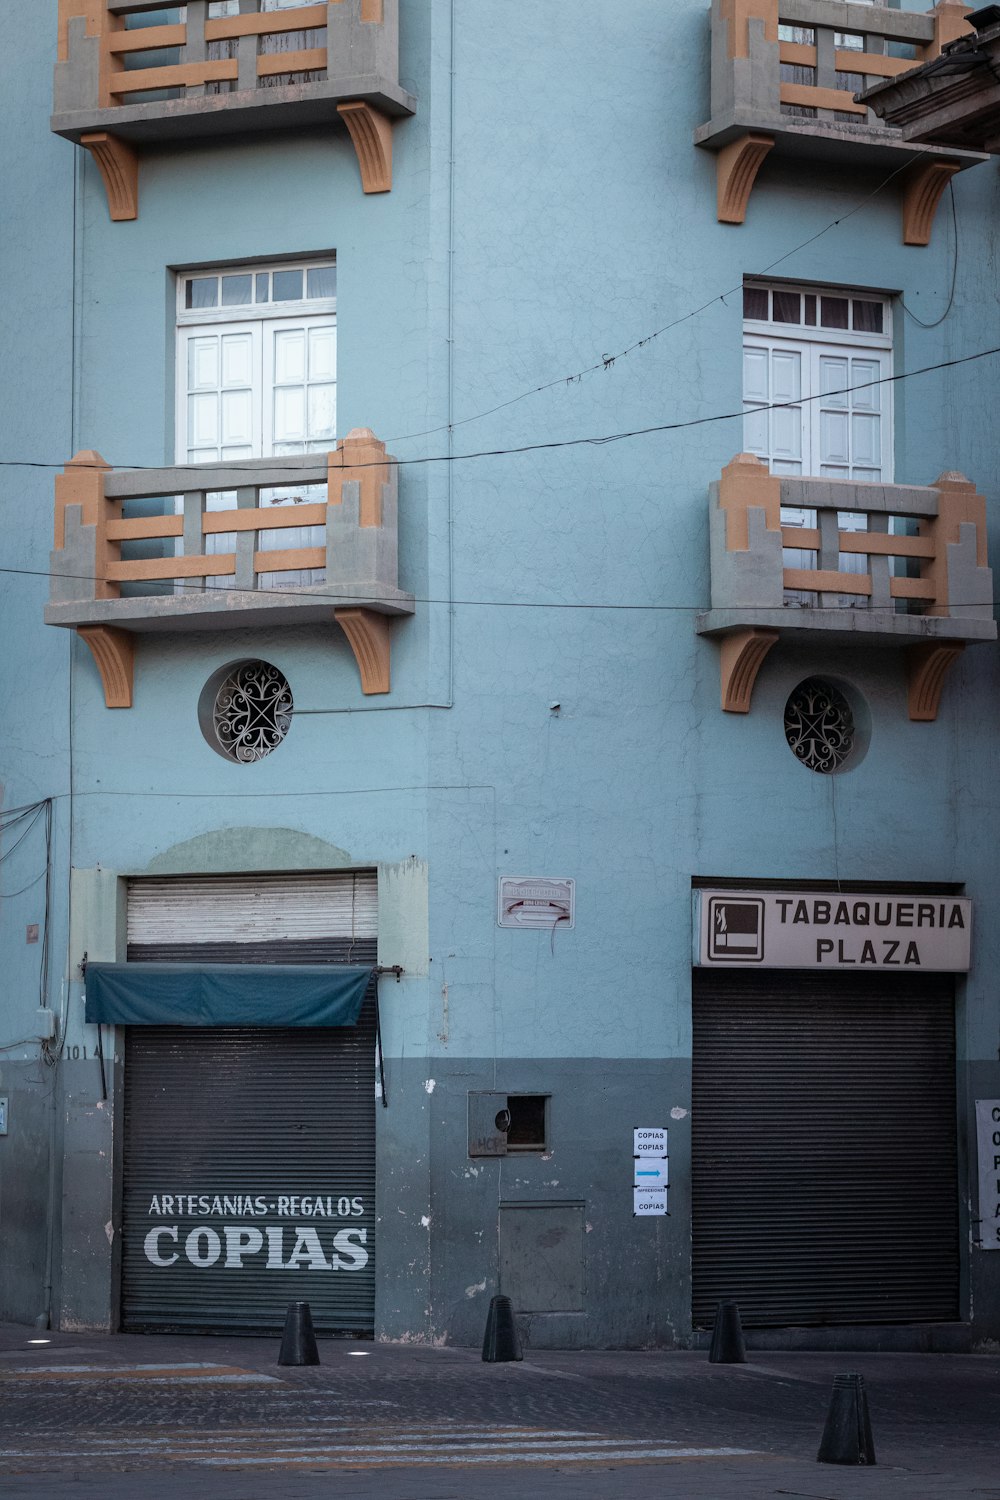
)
(819, 725)
(252, 712)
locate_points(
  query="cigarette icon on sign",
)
(735, 929)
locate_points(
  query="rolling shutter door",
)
(824, 1171)
(250, 1152)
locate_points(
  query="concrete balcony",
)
(784, 76)
(219, 535)
(923, 582)
(202, 71)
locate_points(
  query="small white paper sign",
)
(988, 1135)
(651, 1172)
(647, 1203)
(649, 1140)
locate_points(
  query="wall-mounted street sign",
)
(988, 1138)
(829, 930)
(540, 903)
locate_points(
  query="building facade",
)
(583, 782)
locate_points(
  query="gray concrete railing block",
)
(970, 587)
(73, 568)
(751, 579)
(362, 554)
(359, 49)
(77, 80)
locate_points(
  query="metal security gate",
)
(249, 1153)
(824, 1169)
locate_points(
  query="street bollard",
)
(847, 1436)
(728, 1347)
(298, 1342)
(501, 1342)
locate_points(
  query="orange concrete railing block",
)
(359, 458)
(746, 483)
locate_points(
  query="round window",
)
(819, 726)
(246, 710)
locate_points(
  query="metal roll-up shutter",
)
(824, 1165)
(249, 1153)
(250, 910)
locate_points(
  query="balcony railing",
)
(229, 546)
(784, 76)
(924, 582)
(224, 67)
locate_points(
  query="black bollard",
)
(501, 1342)
(728, 1347)
(298, 1342)
(847, 1436)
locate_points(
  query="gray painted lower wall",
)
(452, 1227)
(24, 1189)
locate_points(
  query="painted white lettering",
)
(151, 1245)
(357, 1208)
(282, 1208)
(154, 1206)
(211, 1252)
(261, 1205)
(275, 1247)
(343, 1241)
(240, 1242)
(307, 1250)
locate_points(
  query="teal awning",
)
(225, 994)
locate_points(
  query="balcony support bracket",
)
(118, 165)
(736, 171)
(926, 668)
(743, 653)
(367, 632)
(114, 652)
(921, 197)
(371, 132)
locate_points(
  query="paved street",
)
(162, 1418)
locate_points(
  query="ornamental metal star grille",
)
(253, 712)
(819, 725)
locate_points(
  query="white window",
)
(256, 378)
(813, 360)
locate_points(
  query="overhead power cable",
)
(253, 466)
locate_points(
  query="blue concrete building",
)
(501, 675)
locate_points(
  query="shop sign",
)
(209, 1237)
(988, 1137)
(827, 930)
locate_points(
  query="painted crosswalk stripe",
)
(339, 1443)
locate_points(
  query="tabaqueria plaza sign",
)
(829, 930)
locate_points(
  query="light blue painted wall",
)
(583, 221)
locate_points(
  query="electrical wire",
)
(607, 361)
(253, 467)
(954, 272)
(19, 841)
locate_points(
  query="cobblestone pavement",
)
(128, 1418)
